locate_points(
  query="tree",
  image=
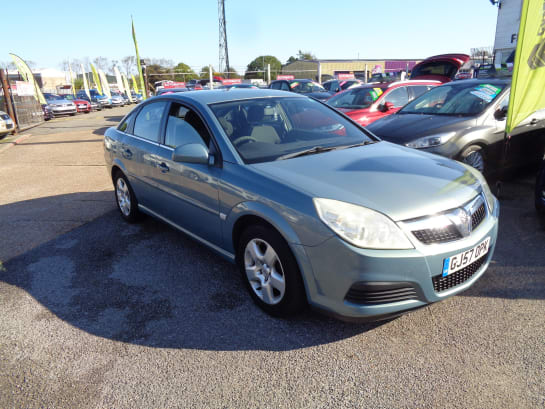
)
(129, 62)
(188, 73)
(291, 59)
(113, 64)
(101, 63)
(7, 65)
(232, 73)
(260, 64)
(78, 83)
(306, 55)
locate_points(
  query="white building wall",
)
(507, 28)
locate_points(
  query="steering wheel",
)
(243, 140)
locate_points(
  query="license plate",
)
(459, 261)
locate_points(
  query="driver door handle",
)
(127, 153)
(164, 168)
(533, 121)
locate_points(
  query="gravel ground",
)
(97, 313)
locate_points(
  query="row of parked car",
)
(69, 104)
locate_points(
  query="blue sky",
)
(187, 31)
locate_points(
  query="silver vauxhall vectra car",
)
(312, 208)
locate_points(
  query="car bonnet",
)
(400, 182)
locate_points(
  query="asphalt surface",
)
(97, 313)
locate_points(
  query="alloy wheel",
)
(476, 160)
(123, 197)
(264, 271)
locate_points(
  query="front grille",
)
(442, 235)
(380, 293)
(478, 217)
(441, 283)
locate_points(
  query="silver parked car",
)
(311, 207)
(59, 105)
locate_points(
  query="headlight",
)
(490, 198)
(360, 226)
(432, 140)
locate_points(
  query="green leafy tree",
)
(260, 64)
(78, 83)
(291, 59)
(305, 55)
(232, 73)
(187, 72)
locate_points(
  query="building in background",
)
(328, 69)
(507, 27)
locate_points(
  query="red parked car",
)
(370, 102)
(442, 67)
(81, 104)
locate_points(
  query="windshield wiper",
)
(355, 145)
(310, 151)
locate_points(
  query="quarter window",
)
(148, 122)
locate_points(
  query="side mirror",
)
(386, 106)
(500, 114)
(191, 153)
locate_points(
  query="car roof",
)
(222, 95)
(501, 81)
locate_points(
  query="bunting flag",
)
(26, 73)
(134, 84)
(105, 85)
(96, 79)
(85, 83)
(528, 81)
(119, 80)
(144, 96)
(127, 87)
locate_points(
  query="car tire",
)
(270, 272)
(125, 198)
(540, 191)
(474, 156)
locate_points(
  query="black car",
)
(306, 87)
(465, 120)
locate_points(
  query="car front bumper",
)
(367, 285)
(63, 110)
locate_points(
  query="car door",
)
(138, 146)
(188, 191)
(526, 143)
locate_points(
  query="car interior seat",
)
(259, 131)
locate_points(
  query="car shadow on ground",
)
(101, 131)
(151, 285)
(113, 118)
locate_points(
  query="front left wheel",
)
(270, 271)
(473, 156)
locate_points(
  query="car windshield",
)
(306, 86)
(356, 98)
(464, 99)
(267, 129)
(54, 97)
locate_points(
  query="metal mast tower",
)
(224, 54)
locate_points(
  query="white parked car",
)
(6, 124)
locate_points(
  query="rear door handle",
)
(533, 121)
(164, 168)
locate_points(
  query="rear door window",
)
(399, 97)
(147, 124)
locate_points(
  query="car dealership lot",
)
(98, 313)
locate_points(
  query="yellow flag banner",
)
(528, 82)
(127, 87)
(134, 84)
(85, 83)
(96, 79)
(26, 73)
(144, 96)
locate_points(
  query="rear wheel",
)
(270, 271)
(473, 156)
(540, 191)
(125, 198)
